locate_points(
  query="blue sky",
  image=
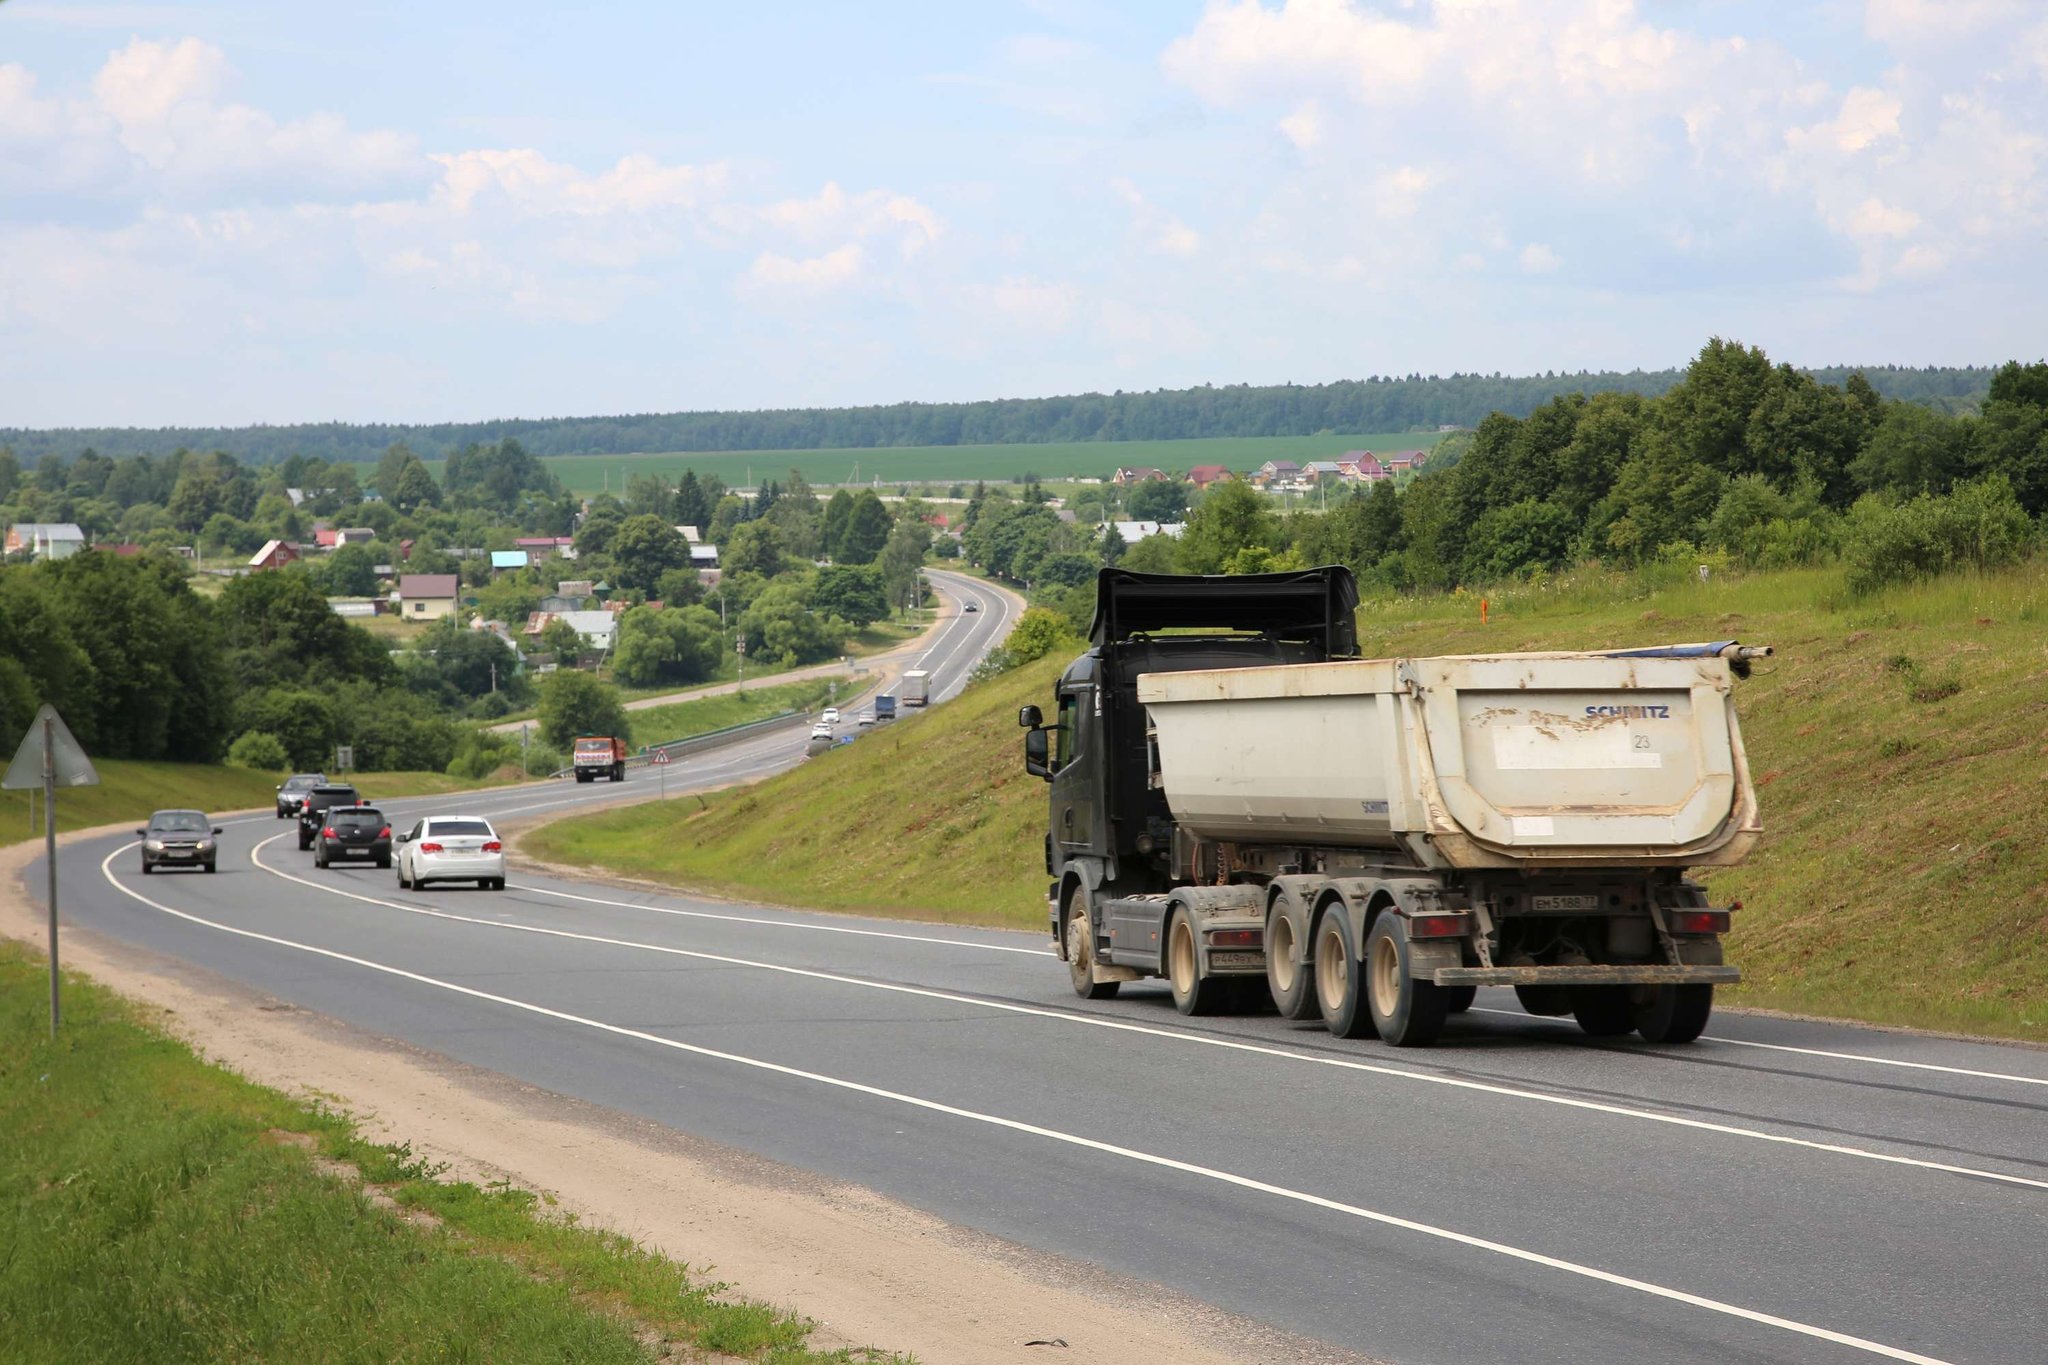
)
(235, 212)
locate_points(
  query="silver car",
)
(451, 848)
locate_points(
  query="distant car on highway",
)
(451, 848)
(178, 838)
(293, 792)
(822, 730)
(972, 606)
(313, 808)
(831, 716)
(353, 834)
(865, 719)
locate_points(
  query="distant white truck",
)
(916, 689)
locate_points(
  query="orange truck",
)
(600, 756)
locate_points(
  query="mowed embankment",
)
(1896, 742)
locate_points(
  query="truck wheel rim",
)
(1080, 947)
(1183, 958)
(1280, 952)
(1333, 975)
(1386, 977)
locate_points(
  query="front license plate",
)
(1563, 905)
(1233, 959)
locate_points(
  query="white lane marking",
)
(1823, 1052)
(785, 924)
(1145, 1030)
(1056, 1135)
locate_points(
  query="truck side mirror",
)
(1030, 717)
(1038, 753)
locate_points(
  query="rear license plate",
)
(1236, 959)
(1563, 905)
(357, 852)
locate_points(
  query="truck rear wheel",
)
(1340, 985)
(1289, 980)
(1545, 1000)
(1458, 999)
(1081, 952)
(1192, 992)
(1407, 1012)
(1603, 1011)
(1675, 1014)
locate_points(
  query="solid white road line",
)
(1822, 1052)
(1144, 1030)
(1210, 1173)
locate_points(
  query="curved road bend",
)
(1782, 1191)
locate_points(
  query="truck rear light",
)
(1439, 926)
(1235, 938)
(1696, 921)
(494, 847)
(430, 848)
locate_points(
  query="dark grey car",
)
(178, 838)
(293, 793)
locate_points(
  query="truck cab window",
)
(1063, 733)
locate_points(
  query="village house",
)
(1274, 473)
(275, 554)
(427, 596)
(1124, 478)
(1202, 475)
(1362, 466)
(1135, 531)
(503, 560)
(44, 539)
(354, 535)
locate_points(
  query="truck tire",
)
(1340, 977)
(583, 774)
(1603, 1011)
(1406, 1011)
(618, 772)
(1289, 980)
(1458, 999)
(1675, 1014)
(1193, 993)
(1081, 951)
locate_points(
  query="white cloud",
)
(833, 213)
(1538, 259)
(1866, 118)
(835, 268)
(1155, 228)
(1035, 304)
(1303, 127)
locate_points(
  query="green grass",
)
(1896, 744)
(155, 1208)
(659, 724)
(943, 466)
(130, 790)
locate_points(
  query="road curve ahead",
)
(1779, 1192)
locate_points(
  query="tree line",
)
(1741, 462)
(1412, 402)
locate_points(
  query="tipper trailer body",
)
(1240, 806)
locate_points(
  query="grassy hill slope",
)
(1897, 744)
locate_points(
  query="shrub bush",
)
(260, 750)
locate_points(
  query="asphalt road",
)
(1780, 1191)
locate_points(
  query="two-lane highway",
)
(1780, 1191)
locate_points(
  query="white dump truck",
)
(1243, 809)
(916, 688)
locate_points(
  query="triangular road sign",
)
(74, 769)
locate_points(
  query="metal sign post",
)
(660, 760)
(48, 757)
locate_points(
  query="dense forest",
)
(1382, 403)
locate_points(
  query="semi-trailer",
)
(1242, 806)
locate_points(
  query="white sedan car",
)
(831, 716)
(451, 848)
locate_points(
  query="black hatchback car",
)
(315, 805)
(179, 838)
(353, 834)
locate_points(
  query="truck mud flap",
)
(1626, 974)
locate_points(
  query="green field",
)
(156, 1208)
(1895, 742)
(945, 465)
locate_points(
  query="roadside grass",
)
(129, 790)
(1896, 742)
(931, 816)
(660, 724)
(943, 466)
(154, 1207)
